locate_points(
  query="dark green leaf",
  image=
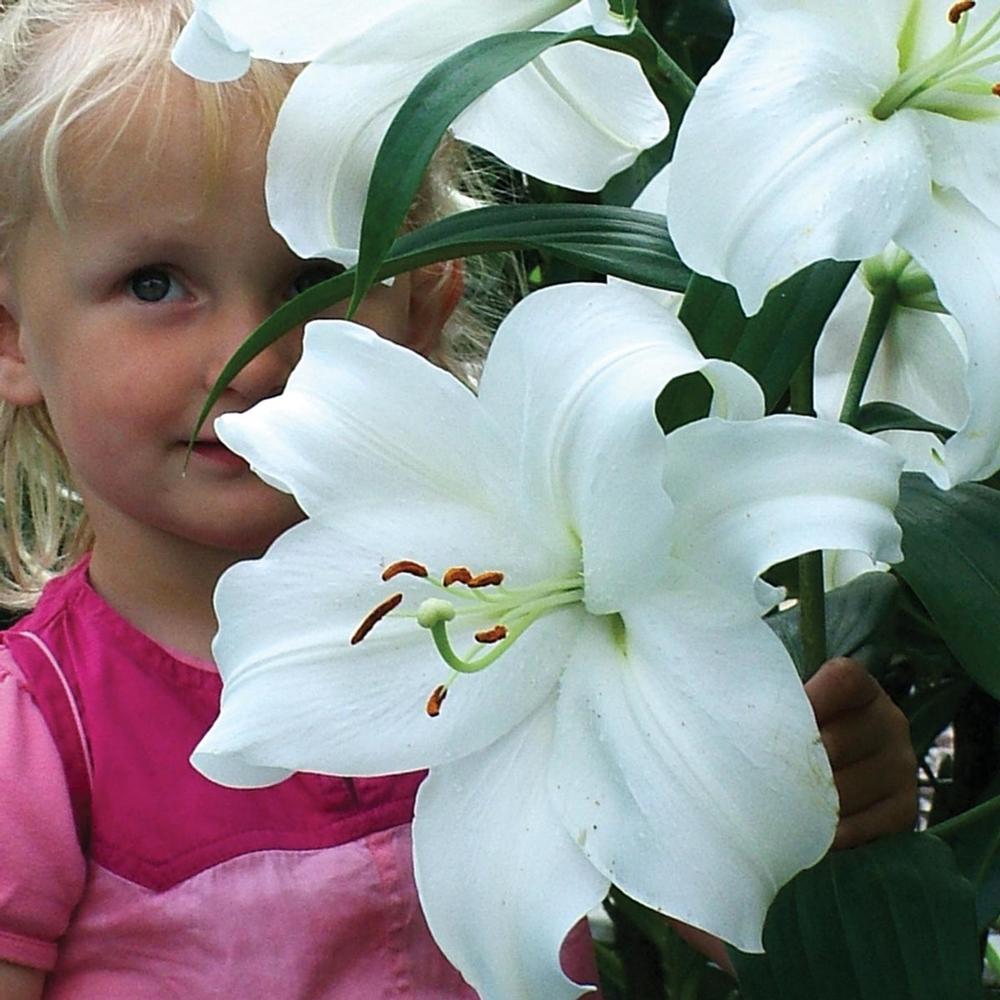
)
(772, 344)
(683, 399)
(618, 241)
(893, 920)
(931, 710)
(858, 622)
(875, 417)
(444, 93)
(974, 836)
(951, 560)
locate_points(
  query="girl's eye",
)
(154, 284)
(314, 274)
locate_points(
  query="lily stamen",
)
(457, 574)
(491, 635)
(408, 566)
(435, 701)
(958, 9)
(375, 616)
(492, 578)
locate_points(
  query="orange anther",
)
(491, 579)
(490, 635)
(404, 566)
(960, 8)
(996, 89)
(435, 701)
(375, 616)
(457, 574)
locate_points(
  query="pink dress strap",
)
(59, 706)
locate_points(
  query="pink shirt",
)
(128, 876)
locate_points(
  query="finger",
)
(840, 685)
(866, 732)
(868, 782)
(896, 814)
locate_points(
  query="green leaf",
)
(626, 8)
(951, 560)
(443, 94)
(618, 241)
(683, 400)
(974, 836)
(858, 622)
(931, 710)
(881, 416)
(772, 344)
(893, 920)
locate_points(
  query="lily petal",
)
(299, 697)
(470, 860)
(815, 176)
(749, 495)
(206, 51)
(959, 248)
(332, 435)
(966, 156)
(920, 364)
(303, 30)
(323, 148)
(583, 405)
(862, 25)
(575, 97)
(665, 752)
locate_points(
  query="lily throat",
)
(948, 82)
(495, 614)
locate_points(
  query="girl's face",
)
(122, 323)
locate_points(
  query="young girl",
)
(135, 255)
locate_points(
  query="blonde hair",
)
(72, 68)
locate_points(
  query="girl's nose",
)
(263, 376)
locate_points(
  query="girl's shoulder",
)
(42, 874)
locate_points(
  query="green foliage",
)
(951, 549)
(772, 344)
(893, 920)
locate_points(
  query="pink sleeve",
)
(42, 869)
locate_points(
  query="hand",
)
(867, 739)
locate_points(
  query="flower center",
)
(494, 614)
(948, 82)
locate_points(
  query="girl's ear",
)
(17, 384)
(435, 291)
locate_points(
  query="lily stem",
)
(812, 596)
(885, 298)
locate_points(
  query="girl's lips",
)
(219, 454)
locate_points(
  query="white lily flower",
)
(830, 128)
(576, 116)
(921, 364)
(616, 711)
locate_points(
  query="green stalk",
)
(985, 811)
(812, 597)
(885, 298)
